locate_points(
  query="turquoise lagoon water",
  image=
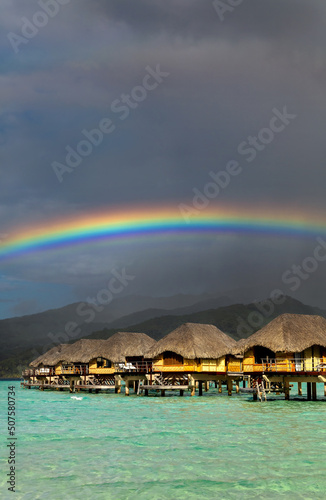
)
(109, 446)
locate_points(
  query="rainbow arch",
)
(151, 221)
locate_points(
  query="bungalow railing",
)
(74, 370)
(34, 372)
(293, 365)
(134, 366)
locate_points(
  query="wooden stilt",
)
(200, 388)
(216, 384)
(136, 385)
(220, 386)
(146, 392)
(237, 387)
(299, 388)
(287, 389)
(162, 393)
(314, 391)
(255, 396)
(117, 384)
(229, 385)
(192, 385)
(181, 392)
(206, 385)
(244, 384)
(127, 388)
(308, 391)
(324, 389)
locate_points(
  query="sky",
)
(177, 90)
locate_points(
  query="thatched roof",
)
(51, 357)
(83, 350)
(115, 348)
(238, 348)
(194, 340)
(288, 333)
(128, 344)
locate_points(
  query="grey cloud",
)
(198, 19)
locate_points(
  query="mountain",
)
(41, 329)
(140, 316)
(81, 319)
(237, 320)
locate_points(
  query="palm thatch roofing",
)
(194, 340)
(287, 333)
(51, 357)
(83, 350)
(115, 348)
(128, 344)
(238, 349)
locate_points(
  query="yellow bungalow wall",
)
(94, 370)
(249, 362)
(284, 362)
(308, 361)
(158, 365)
(68, 370)
(234, 364)
(191, 365)
(58, 369)
(312, 358)
(213, 365)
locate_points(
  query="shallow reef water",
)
(109, 446)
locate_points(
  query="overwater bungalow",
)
(194, 349)
(128, 352)
(291, 345)
(291, 348)
(95, 362)
(43, 368)
(82, 356)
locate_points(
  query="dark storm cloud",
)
(225, 78)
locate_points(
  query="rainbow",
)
(152, 221)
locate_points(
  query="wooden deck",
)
(165, 387)
(67, 386)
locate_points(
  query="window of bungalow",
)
(262, 353)
(171, 358)
(103, 363)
